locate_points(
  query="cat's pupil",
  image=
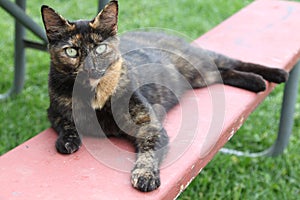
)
(71, 52)
(101, 48)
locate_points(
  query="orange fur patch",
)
(107, 85)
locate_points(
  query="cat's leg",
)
(244, 80)
(212, 67)
(151, 145)
(251, 76)
(68, 140)
(270, 74)
(150, 140)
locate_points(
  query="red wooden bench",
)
(264, 32)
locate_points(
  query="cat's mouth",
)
(94, 82)
(94, 76)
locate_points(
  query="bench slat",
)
(265, 32)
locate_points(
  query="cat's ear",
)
(107, 20)
(54, 23)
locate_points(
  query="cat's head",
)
(84, 45)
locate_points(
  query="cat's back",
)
(142, 39)
(140, 48)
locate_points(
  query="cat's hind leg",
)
(245, 80)
(270, 74)
(229, 66)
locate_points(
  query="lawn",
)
(226, 176)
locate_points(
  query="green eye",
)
(71, 52)
(101, 49)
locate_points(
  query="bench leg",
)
(19, 57)
(286, 118)
(287, 113)
(101, 4)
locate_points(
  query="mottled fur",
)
(126, 84)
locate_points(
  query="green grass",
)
(226, 176)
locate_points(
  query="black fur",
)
(123, 82)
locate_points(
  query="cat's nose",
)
(92, 68)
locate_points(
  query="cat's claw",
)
(71, 148)
(67, 147)
(145, 180)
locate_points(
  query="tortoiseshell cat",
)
(112, 69)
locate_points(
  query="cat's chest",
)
(107, 121)
(107, 85)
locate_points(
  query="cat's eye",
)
(71, 52)
(101, 49)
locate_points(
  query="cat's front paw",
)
(145, 179)
(67, 145)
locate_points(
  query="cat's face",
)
(88, 46)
